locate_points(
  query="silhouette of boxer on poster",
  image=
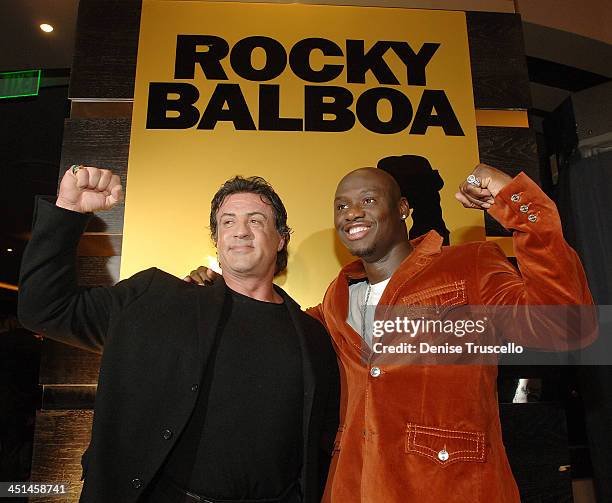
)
(420, 184)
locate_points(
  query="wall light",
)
(7, 286)
(47, 28)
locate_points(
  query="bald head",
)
(367, 177)
(369, 214)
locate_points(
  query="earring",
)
(403, 217)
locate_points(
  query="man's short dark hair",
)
(254, 185)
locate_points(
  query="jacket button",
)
(136, 483)
(194, 387)
(375, 371)
(443, 455)
(524, 208)
(532, 217)
(515, 198)
(167, 434)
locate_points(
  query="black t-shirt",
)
(244, 438)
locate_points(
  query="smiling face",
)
(369, 213)
(247, 239)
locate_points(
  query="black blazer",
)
(156, 333)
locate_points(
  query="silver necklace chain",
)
(363, 312)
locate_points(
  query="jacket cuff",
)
(523, 206)
(67, 226)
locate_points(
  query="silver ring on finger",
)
(472, 180)
(75, 167)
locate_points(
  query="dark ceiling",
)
(24, 45)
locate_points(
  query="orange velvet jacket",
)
(431, 433)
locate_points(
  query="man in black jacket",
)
(224, 393)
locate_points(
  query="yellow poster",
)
(300, 95)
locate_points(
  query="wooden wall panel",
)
(60, 439)
(61, 364)
(96, 244)
(97, 271)
(104, 64)
(499, 67)
(512, 150)
(68, 397)
(103, 143)
(101, 109)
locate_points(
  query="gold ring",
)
(75, 167)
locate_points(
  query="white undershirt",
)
(357, 298)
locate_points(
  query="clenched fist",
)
(491, 180)
(90, 189)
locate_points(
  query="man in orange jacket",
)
(431, 433)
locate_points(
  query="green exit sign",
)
(17, 84)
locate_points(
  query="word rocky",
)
(172, 105)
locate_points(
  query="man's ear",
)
(281, 244)
(404, 208)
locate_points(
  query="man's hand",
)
(492, 181)
(202, 276)
(89, 189)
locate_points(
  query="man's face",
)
(367, 217)
(247, 239)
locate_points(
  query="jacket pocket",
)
(441, 298)
(338, 440)
(443, 446)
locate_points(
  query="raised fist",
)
(89, 189)
(486, 183)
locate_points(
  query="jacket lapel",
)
(308, 375)
(295, 312)
(210, 301)
(426, 248)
